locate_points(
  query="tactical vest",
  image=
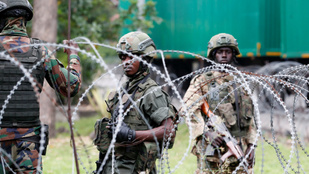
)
(133, 118)
(23, 108)
(238, 127)
(145, 153)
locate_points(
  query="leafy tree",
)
(135, 18)
(90, 18)
(101, 21)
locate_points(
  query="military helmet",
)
(222, 40)
(12, 4)
(137, 43)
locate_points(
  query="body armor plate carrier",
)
(23, 108)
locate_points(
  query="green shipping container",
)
(270, 33)
(295, 28)
(189, 25)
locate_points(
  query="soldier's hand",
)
(214, 138)
(250, 158)
(125, 134)
(70, 43)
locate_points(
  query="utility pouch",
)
(46, 132)
(246, 111)
(228, 113)
(102, 141)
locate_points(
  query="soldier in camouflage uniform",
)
(136, 149)
(222, 48)
(20, 126)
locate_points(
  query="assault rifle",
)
(219, 126)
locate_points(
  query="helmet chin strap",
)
(3, 21)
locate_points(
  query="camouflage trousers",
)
(19, 157)
(214, 167)
(124, 165)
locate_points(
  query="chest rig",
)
(231, 103)
(23, 108)
(133, 118)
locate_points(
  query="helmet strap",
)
(142, 67)
(3, 21)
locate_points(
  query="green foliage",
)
(101, 21)
(97, 101)
(89, 18)
(133, 19)
(84, 126)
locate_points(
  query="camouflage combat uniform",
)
(213, 84)
(24, 154)
(155, 107)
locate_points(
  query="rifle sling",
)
(127, 103)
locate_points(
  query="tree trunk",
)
(44, 27)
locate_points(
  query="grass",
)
(59, 153)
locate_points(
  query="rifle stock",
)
(219, 126)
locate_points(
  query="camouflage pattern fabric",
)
(102, 140)
(222, 40)
(125, 165)
(24, 154)
(155, 107)
(202, 84)
(14, 35)
(13, 133)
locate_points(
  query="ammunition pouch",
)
(102, 141)
(227, 111)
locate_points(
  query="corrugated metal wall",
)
(261, 27)
(189, 25)
(295, 28)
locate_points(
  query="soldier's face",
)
(130, 67)
(224, 55)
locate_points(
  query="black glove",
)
(250, 158)
(214, 138)
(125, 134)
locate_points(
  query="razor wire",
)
(243, 78)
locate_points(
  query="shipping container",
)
(294, 28)
(189, 25)
(263, 28)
